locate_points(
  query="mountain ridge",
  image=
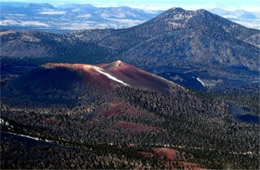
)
(68, 17)
(219, 31)
(211, 45)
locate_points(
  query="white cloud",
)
(85, 16)
(152, 11)
(33, 23)
(246, 8)
(76, 10)
(108, 15)
(10, 22)
(143, 7)
(230, 16)
(18, 15)
(53, 12)
(249, 24)
(187, 7)
(129, 22)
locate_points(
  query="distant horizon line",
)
(144, 7)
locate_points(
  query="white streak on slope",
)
(111, 77)
(201, 82)
(30, 137)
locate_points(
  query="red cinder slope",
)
(138, 78)
(93, 75)
(74, 80)
(117, 73)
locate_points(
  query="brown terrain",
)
(174, 158)
(118, 73)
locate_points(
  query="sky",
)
(249, 5)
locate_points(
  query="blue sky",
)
(250, 5)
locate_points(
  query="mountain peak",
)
(114, 65)
(178, 18)
(117, 63)
(183, 15)
(174, 18)
(176, 9)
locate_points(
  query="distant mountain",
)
(248, 19)
(38, 6)
(200, 43)
(45, 17)
(185, 37)
(67, 17)
(196, 37)
(42, 47)
(237, 14)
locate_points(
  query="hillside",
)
(119, 98)
(110, 108)
(182, 43)
(177, 36)
(109, 97)
(41, 47)
(174, 37)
